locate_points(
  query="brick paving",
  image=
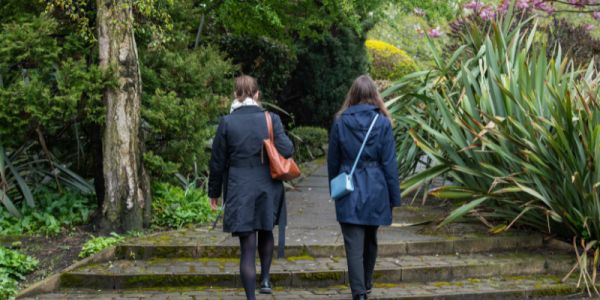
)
(496, 288)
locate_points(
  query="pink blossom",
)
(434, 32)
(544, 6)
(503, 8)
(596, 15)
(474, 5)
(523, 4)
(487, 13)
(588, 27)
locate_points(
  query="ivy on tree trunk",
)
(126, 203)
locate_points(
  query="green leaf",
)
(452, 192)
(463, 210)
(23, 186)
(411, 183)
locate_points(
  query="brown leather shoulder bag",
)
(281, 168)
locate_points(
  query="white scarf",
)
(247, 102)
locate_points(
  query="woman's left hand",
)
(213, 203)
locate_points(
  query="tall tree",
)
(126, 198)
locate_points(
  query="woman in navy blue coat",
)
(376, 184)
(253, 202)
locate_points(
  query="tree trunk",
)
(126, 191)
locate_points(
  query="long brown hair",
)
(245, 87)
(364, 91)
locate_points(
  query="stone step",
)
(506, 287)
(193, 248)
(309, 272)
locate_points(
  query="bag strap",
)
(269, 125)
(362, 147)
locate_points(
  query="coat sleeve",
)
(282, 142)
(218, 161)
(333, 153)
(390, 165)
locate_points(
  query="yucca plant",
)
(23, 168)
(518, 133)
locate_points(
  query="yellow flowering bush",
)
(387, 62)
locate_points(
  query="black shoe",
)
(369, 288)
(360, 297)
(265, 287)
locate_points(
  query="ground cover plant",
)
(176, 207)
(97, 244)
(13, 267)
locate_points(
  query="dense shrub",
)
(175, 207)
(185, 92)
(43, 86)
(54, 211)
(326, 69)
(387, 61)
(576, 40)
(271, 62)
(310, 142)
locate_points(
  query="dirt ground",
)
(54, 252)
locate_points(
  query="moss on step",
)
(320, 276)
(301, 257)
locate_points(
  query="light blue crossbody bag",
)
(342, 184)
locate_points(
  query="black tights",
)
(248, 259)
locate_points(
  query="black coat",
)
(240, 168)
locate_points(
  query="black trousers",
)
(360, 242)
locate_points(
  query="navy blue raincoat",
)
(376, 183)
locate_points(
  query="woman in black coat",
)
(253, 201)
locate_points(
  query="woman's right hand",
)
(213, 203)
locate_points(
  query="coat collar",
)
(359, 107)
(248, 109)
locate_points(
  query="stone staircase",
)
(463, 262)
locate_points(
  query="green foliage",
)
(518, 133)
(97, 244)
(311, 142)
(323, 76)
(198, 84)
(8, 286)
(42, 85)
(286, 21)
(388, 62)
(434, 10)
(54, 211)
(269, 61)
(15, 264)
(406, 32)
(22, 169)
(13, 267)
(175, 207)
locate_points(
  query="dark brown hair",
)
(364, 91)
(245, 87)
